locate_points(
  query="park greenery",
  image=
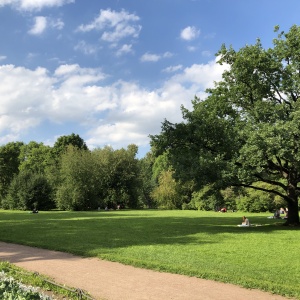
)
(238, 148)
(203, 244)
(246, 132)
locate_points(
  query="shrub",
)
(27, 191)
(12, 289)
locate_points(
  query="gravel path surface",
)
(114, 281)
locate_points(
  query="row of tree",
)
(240, 147)
(69, 176)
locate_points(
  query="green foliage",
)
(247, 129)
(9, 165)
(120, 180)
(160, 165)
(259, 201)
(78, 188)
(147, 183)
(28, 191)
(167, 193)
(103, 177)
(230, 197)
(35, 157)
(206, 199)
(256, 201)
(63, 142)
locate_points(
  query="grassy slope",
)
(203, 244)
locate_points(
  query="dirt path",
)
(114, 281)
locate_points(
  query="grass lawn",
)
(202, 244)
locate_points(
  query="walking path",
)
(114, 281)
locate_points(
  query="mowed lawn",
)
(202, 244)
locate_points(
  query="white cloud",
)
(150, 57)
(125, 49)
(116, 114)
(192, 48)
(3, 57)
(189, 33)
(114, 25)
(39, 26)
(30, 5)
(41, 23)
(201, 76)
(57, 24)
(86, 48)
(172, 69)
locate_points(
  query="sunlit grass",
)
(202, 244)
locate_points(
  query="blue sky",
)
(112, 71)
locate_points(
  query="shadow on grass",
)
(82, 232)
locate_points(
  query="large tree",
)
(77, 188)
(119, 183)
(247, 129)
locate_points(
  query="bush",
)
(256, 201)
(206, 199)
(27, 191)
(12, 289)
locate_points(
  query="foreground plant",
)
(11, 289)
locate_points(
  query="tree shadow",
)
(86, 232)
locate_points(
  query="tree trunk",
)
(293, 210)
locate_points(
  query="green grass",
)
(202, 244)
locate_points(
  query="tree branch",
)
(264, 190)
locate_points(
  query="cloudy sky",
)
(113, 70)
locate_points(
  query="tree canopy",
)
(247, 129)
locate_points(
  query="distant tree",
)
(147, 183)
(167, 194)
(35, 157)
(231, 195)
(77, 188)
(247, 130)
(120, 176)
(9, 165)
(64, 141)
(184, 188)
(258, 201)
(27, 191)
(206, 198)
(161, 164)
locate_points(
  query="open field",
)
(203, 244)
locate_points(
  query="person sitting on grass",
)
(277, 214)
(245, 223)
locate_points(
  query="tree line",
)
(238, 148)
(69, 176)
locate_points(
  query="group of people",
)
(278, 212)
